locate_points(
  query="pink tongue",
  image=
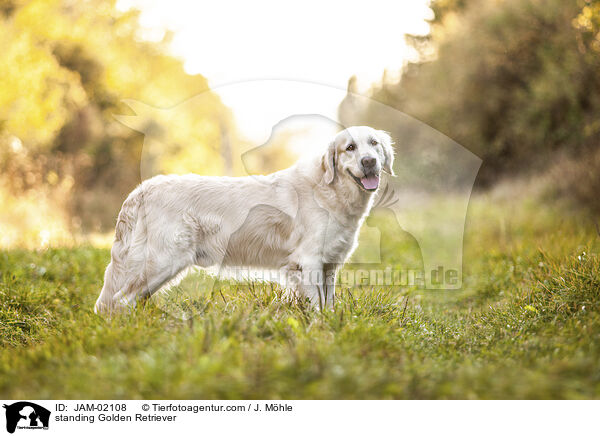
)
(371, 182)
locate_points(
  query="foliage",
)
(66, 67)
(512, 80)
(526, 325)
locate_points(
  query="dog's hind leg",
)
(104, 301)
(116, 273)
(137, 277)
(149, 250)
(148, 283)
(139, 265)
(141, 280)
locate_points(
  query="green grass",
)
(526, 325)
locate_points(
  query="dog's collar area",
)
(360, 183)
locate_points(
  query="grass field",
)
(526, 325)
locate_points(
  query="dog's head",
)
(359, 154)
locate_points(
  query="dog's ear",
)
(388, 152)
(328, 162)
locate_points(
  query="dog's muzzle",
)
(369, 183)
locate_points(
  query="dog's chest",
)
(340, 241)
(333, 240)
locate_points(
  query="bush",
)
(514, 81)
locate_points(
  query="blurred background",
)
(517, 82)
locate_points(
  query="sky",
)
(313, 41)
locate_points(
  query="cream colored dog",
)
(303, 220)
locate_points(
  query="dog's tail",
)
(129, 223)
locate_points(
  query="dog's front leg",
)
(311, 285)
(329, 274)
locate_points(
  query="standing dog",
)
(303, 220)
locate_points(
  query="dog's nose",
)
(368, 162)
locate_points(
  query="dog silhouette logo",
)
(26, 415)
(422, 208)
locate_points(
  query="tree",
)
(512, 80)
(66, 68)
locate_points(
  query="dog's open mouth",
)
(368, 183)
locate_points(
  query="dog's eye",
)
(374, 142)
(350, 147)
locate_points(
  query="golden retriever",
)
(303, 220)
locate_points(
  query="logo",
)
(26, 415)
(413, 236)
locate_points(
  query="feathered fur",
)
(304, 220)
